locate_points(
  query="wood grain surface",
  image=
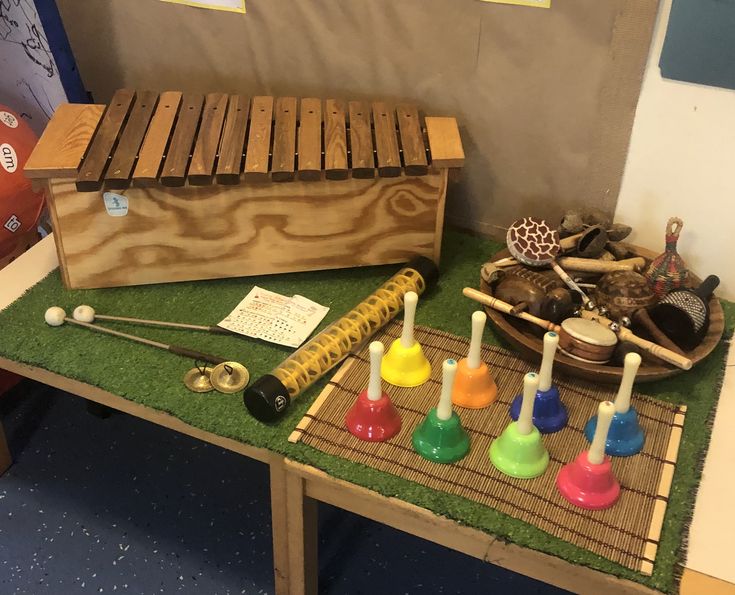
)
(62, 146)
(257, 156)
(412, 140)
(361, 140)
(284, 140)
(386, 141)
(176, 234)
(335, 140)
(310, 139)
(444, 142)
(123, 159)
(95, 162)
(156, 140)
(201, 169)
(179, 149)
(232, 144)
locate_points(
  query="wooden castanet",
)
(93, 167)
(232, 143)
(506, 308)
(625, 334)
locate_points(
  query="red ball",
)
(20, 205)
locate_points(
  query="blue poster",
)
(700, 43)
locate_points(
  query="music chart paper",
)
(275, 318)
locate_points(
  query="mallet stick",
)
(506, 308)
(88, 314)
(586, 265)
(625, 334)
(56, 318)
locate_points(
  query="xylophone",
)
(180, 186)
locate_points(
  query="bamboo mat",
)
(627, 533)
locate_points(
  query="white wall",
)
(682, 163)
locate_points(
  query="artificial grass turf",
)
(153, 378)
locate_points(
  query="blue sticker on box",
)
(116, 204)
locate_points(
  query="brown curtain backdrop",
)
(545, 98)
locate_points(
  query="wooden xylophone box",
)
(172, 187)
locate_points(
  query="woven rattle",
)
(668, 270)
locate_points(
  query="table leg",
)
(279, 526)
(303, 538)
(5, 458)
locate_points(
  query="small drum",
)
(587, 340)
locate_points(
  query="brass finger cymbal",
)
(197, 380)
(229, 377)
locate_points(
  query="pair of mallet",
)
(226, 376)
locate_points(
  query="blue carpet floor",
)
(96, 505)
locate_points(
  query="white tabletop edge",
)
(712, 533)
(27, 270)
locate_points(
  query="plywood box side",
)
(190, 233)
(64, 142)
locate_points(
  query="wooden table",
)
(296, 490)
(708, 570)
(33, 266)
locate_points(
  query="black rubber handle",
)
(205, 357)
(707, 287)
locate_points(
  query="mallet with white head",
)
(56, 316)
(85, 313)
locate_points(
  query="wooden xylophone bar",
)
(175, 138)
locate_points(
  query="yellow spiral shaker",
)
(268, 398)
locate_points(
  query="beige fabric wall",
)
(545, 98)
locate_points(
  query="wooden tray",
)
(527, 338)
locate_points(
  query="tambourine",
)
(587, 341)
